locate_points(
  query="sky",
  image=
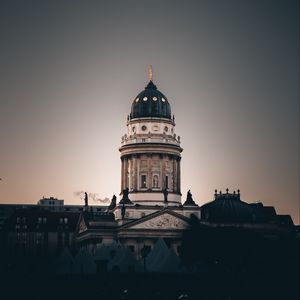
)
(69, 71)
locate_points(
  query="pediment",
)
(162, 221)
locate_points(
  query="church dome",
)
(150, 103)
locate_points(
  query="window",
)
(131, 248)
(155, 181)
(143, 181)
(178, 250)
(145, 250)
(44, 220)
(66, 220)
(144, 127)
(112, 253)
(67, 239)
(167, 182)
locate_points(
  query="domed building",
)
(150, 150)
(150, 205)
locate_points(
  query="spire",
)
(150, 73)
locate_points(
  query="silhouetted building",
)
(40, 232)
(228, 210)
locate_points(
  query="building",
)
(51, 203)
(228, 210)
(40, 232)
(150, 206)
(150, 217)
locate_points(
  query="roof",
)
(150, 103)
(99, 220)
(227, 208)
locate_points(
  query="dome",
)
(227, 208)
(150, 103)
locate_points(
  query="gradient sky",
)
(69, 71)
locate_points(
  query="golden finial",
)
(150, 73)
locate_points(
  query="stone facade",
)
(150, 161)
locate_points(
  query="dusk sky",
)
(69, 71)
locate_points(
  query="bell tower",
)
(150, 150)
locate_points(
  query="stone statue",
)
(189, 199)
(125, 193)
(86, 199)
(125, 199)
(166, 195)
(189, 196)
(114, 200)
(113, 203)
(155, 181)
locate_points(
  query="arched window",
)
(155, 181)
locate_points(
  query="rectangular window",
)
(131, 248)
(143, 181)
(167, 182)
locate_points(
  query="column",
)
(178, 176)
(122, 174)
(174, 175)
(163, 173)
(134, 170)
(126, 173)
(149, 173)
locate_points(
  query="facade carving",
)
(165, 221)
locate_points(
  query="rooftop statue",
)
(86, 199)
(166, 195)
(189, 199)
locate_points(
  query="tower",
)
(150, 150)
